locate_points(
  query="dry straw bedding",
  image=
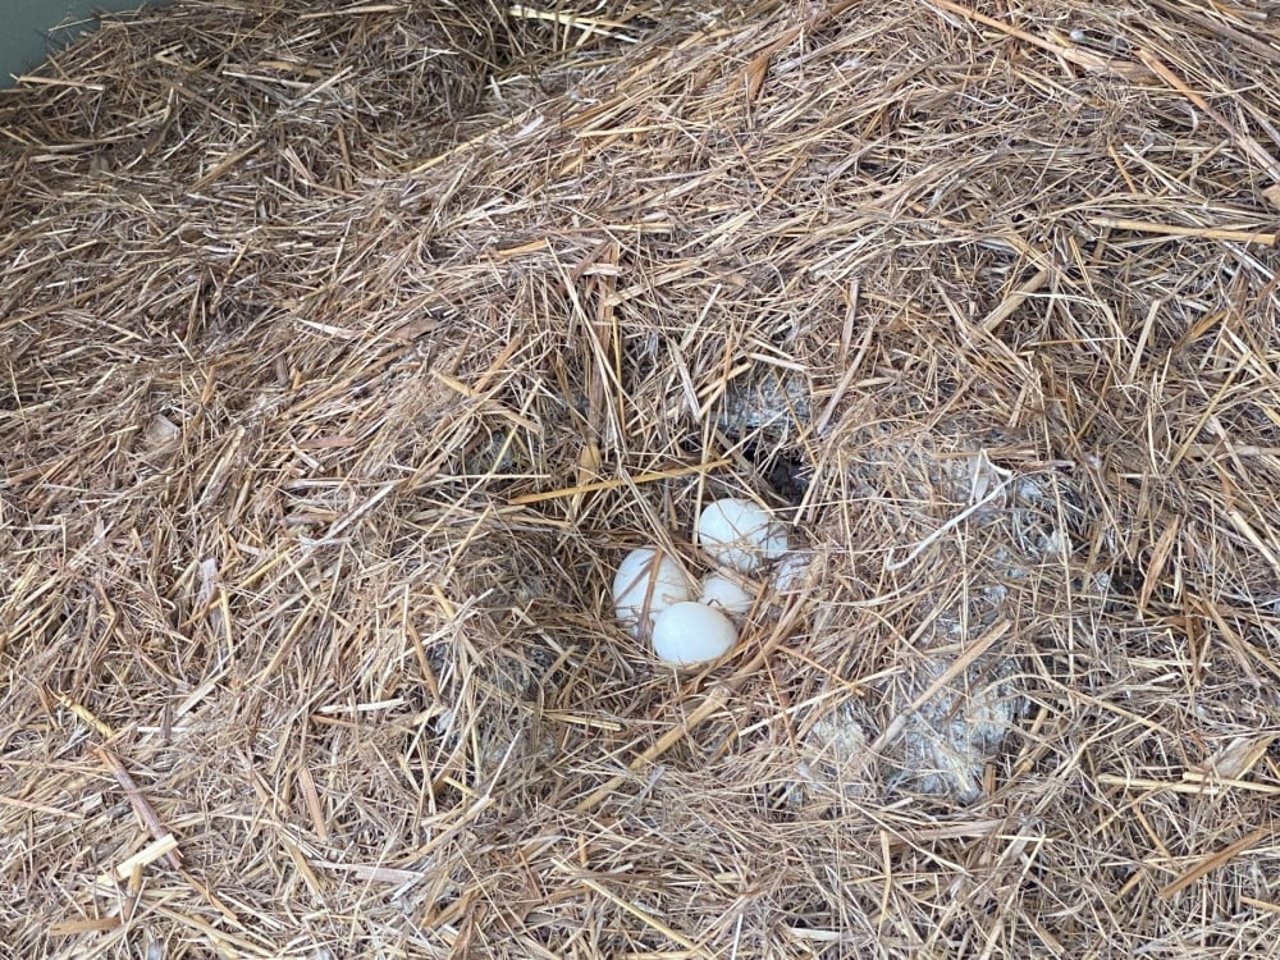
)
(345, 349)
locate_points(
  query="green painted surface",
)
(25, 26)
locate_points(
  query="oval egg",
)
(690, 633)
(726, 594)
(791, 573)
(740, 534)
(646, 584)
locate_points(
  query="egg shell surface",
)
(690, 633)
(726, 594)
(642, 585)
(791, 573)
(740, 534)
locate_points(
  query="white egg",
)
(726, 594)
(690, 633)
(644, 586)
(740, 534)
(791, 573)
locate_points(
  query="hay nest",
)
(345, 350)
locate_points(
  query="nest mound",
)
(347, 349)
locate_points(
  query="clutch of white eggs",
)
(653, 597)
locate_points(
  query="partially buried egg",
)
(690, 633)
(740, 534)
(646, 583)
(727, 594)
(792, 572)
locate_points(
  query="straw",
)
(347, 348)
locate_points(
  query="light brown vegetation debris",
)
(345, 349)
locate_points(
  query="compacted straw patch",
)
(346, 350)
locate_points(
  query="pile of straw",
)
(345, 349)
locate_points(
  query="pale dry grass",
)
(345, 350)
